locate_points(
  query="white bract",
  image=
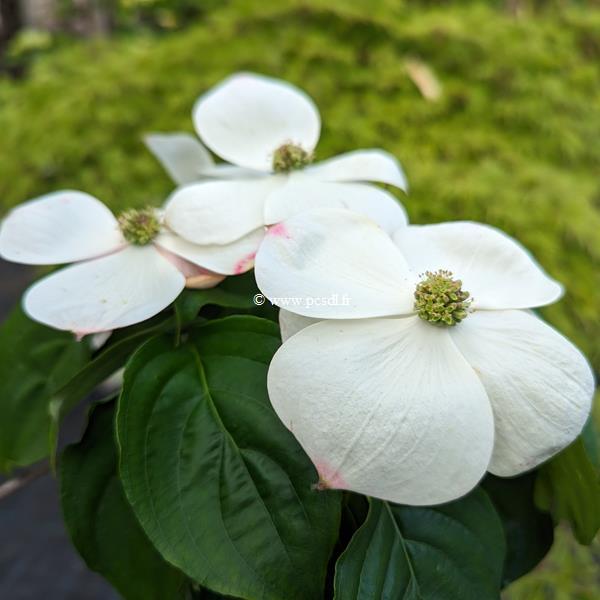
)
(268, 130)
(434, 371)
(128, 270)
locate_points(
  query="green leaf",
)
(355, 508)
(190, 302)
(568, 486)
(591, 439)
(101, 523)
(233, 293)
(109, 359)
(529, 532)
(445, 552)
(35, 361)
(220, 486)
(204, 594)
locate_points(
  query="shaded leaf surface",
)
(105, 363)
(235, 293)
(101, 522)
(568, 486)
(591, 437)
(529, 531)
(445, 552)
(35, 361)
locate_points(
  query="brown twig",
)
(14, 485)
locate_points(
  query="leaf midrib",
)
(213, 409)
(409, 562)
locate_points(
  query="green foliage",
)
(101, 523)
(45, 373)
(513, 140)
(156, 14)
(569, 572)
(109, 359)
(591, 433)
(569, 487)
(219, 485)
(234, 293)
(445, 552)
(35, 361)
(529, 532)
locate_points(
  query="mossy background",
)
(514, 139)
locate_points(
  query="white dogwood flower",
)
(268, 130)
(434, 371)
(128, 270)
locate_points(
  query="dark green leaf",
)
(35, 361)
(233, 293)
(568, 486)
(101, 523)
(446, 552)
(355, 508)
(591, 440)
(109, 360)
(190, 302)
(529, 532)
(204, 594)
(220, 486)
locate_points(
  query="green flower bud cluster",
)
(139, 226)
(440, 300)
(290, 157)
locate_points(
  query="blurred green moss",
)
(514, 139)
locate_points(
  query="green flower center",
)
(290, 157)
(440, 299)
(139, 226)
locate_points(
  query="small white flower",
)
(434, 372)
(129, 268)
(268, 130)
